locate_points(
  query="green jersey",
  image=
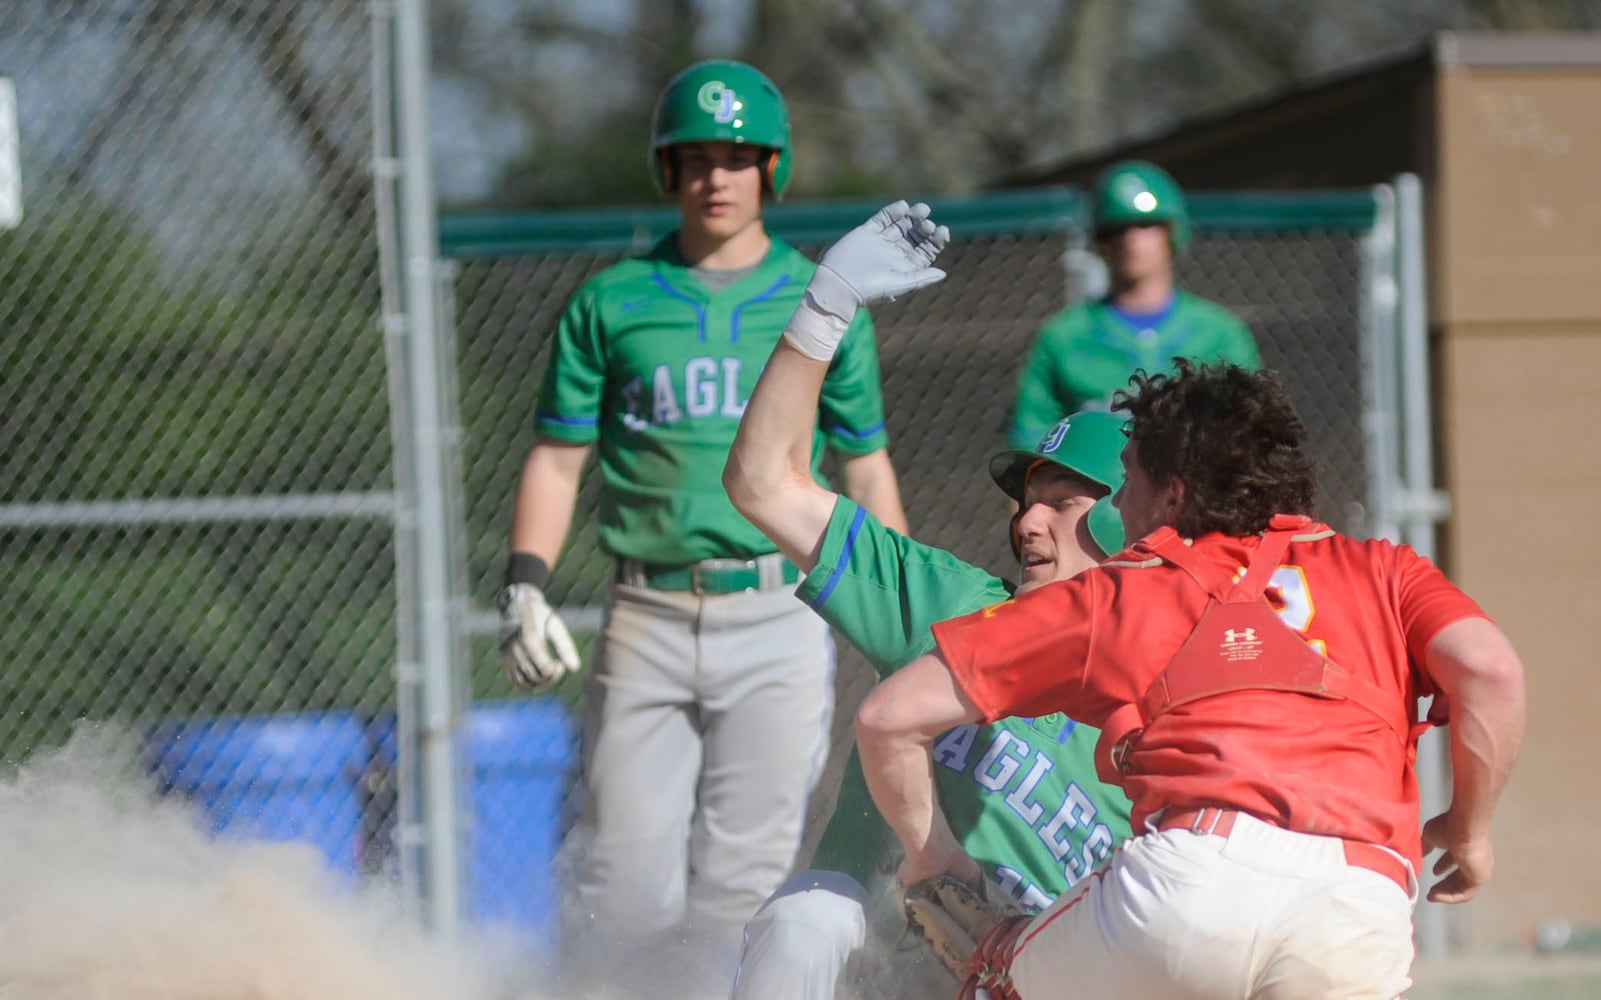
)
(1086, 352)
(1020, 794)
(657, 369)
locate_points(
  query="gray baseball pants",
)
(706, 725)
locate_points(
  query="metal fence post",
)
(439, 801)
(1422, 505)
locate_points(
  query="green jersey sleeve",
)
(852, 405)
(574, 387)
(884, 591)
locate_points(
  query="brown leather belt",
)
(1220, 823)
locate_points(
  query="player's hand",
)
(536, 650)
(1467, 860)
(888, 255)
(957, 863)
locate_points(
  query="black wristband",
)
(525, 567)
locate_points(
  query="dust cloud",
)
(108, 891)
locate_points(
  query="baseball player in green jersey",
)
(1022, 794)
(710, 692)
(1086, 351)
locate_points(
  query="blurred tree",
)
(169, 42)
(937, 96)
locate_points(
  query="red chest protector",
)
(1240, 644)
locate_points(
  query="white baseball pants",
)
(1264, 913)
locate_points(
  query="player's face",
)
(719, 187)
(1053, 530)
(1143, 504)
(1136, 253)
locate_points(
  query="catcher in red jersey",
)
(1256, 677)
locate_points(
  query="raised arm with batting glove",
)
(886, 256)
(768, 474)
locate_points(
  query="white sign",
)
(10, 158)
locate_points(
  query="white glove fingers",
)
(927, 243)
(561, 641)
(885, 256)
(889, 217)
(520, 669)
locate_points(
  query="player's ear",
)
(669, 164)
(770, 171)
(1177, 496)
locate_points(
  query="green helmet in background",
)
(1089, 443)
(721, 100)
(1134, 193)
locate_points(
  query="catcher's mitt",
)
(953, 917)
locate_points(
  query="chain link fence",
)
(1299, 270)
(1296, 270)
(196, 498)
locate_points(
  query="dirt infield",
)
(1511, 974)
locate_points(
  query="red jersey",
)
(1093, 645)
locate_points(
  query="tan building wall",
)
(1516, 217)
(1522, 441)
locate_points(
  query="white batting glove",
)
(536, 650)
(888, 255)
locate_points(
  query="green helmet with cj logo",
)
(1137, 193)
(1088, 443)
(721, 100)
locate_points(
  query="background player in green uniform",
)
(1086, 351)
(1022, 793)
(708, 702)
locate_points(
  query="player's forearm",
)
(870, 480)
(1487, 727)
(900, 777)
(895, 729)
(1483, 680)
(547, 492)
(768, 473)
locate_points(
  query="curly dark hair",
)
(1233, 438)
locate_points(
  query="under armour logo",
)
(1239, 635)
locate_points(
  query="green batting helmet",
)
(1134, 193)
(1088, 443)
(721, 100)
